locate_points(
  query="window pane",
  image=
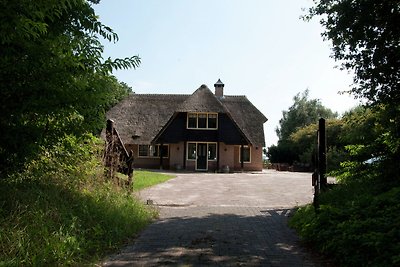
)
(165, 151)
(212, 151)
(192, 120)
(212, 121)
(202, 121)
(246, 154)
(154, 151)
(191, 151)
(143, 150)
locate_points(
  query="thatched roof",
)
(202, 100)
(248, 118)
(140, 117)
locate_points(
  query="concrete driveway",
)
(222, 220)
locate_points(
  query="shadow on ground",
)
(260, 238)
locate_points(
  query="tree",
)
(302, 113)
(365, 35)
(53, 78)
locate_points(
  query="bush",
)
(354, 226)
(60, 211)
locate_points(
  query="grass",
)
(61, 212)
(143, 179)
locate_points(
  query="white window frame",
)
(208, 143)
(208, 150)
(195, 151)
(149, 151)
(197, 120)
(240, 154)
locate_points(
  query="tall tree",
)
(365, 35)
(53, 77)
(303, 112)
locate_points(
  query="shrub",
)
(354, 226)
(60, 211)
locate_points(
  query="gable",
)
(177, 131)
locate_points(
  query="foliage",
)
(282, 153)
(356, 225)
(302, 113)
(53, 78)
(59, 211)
(366, 37)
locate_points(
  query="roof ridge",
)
(236, 95)
(162, 94)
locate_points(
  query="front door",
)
(201, 163)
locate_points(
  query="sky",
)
(258, 48)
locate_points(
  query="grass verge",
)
(60, 211)
(143, 179)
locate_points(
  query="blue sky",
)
(258, 48)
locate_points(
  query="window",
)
(202, 121)
(212, 121)
(191, 151)
(246, 154)
(212, 151)
(165, 151)
(192, 120)
(153, 151)
(144, 150)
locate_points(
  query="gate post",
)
(109, 149)
(319, 180)
(322, 154)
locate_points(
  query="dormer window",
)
(202, 121)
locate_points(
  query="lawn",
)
(143, 179)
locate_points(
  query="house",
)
(199, 132)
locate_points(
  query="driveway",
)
(222, 220)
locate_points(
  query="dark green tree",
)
(365, 35)
(303, 112)
(53, 77)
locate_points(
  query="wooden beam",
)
(184, 155)
(160, 151)
(241, 156)
(322, 154)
